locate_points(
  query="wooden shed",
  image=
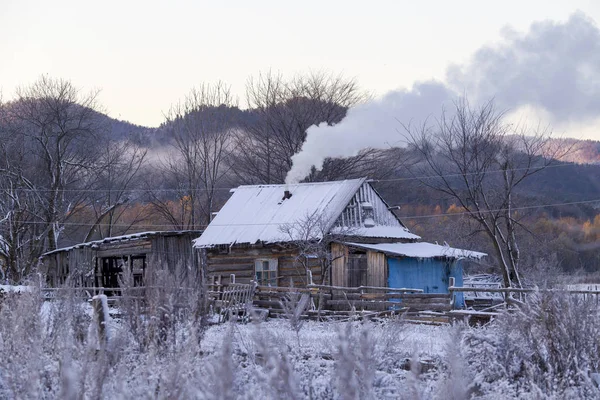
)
(419, 265)
(100, 263)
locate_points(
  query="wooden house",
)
(340, 233)
(100, 263)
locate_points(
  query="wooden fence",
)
(521, 293)
(325, 301)
(499, 298)
(237, 299)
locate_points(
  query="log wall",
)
(240, 261)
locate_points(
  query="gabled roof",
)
(419, 250)
(259, 213)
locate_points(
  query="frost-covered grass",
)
(332, 357)
(52, 350)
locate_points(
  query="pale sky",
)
(145, 55)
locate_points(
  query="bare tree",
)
(19, 206)
(373, 163)
(282, 110)
(115, 187)
(58, 125)
(479, 161)
(46, 134)
(202, 131)
(312, 237)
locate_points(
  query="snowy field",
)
(51, 350)
(329, 358)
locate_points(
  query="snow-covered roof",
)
(380, 231)
(122, 238)
(419, 250)
(257, 213)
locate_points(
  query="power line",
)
(301, 222)
(474, 173)
(504, 209)
(187, 190)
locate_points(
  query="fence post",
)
(451, 283)
(232, 278)
(100, 317)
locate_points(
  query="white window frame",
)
(269, 276)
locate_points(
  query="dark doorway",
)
(357, 269)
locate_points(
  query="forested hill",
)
(583, 151)
(59, 192)
(576, 177)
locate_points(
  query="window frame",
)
(269, 276)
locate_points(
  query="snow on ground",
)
(15, 289)
(318, 354)
(320, 337)
(164, 354)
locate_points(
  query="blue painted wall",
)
(431, 275)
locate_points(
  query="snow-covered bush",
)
(164, 309)
(550, 347)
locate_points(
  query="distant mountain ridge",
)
(159, 136)
(583, 152)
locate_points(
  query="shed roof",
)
(257, 213)
(419, 250)
(124, 238)
(379, 231)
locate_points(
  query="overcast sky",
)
(145, 55)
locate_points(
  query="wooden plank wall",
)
(240, 261)
(176, 255)
(82, 263)
(376, 269)
(345, 264)
(172, 252)
(126, 248)
(77, 264)
(339, 273)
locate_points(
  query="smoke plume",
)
(370, 125)
(552, 71)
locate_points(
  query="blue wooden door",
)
(428, 274)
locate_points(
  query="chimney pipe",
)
(286, 195)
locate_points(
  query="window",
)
(266, 271)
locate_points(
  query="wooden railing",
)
(506, 297)
(327, 300)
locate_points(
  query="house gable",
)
(368, 215)
(367, 204)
